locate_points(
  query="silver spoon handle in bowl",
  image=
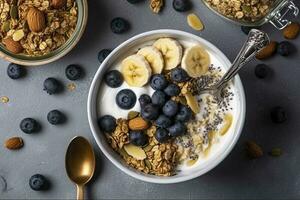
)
(255, 42)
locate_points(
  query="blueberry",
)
(179, 75)
(170, 108)
(285, 48)
(126, 99)
(52, 86)
(172, 90)
(113, 78)
(158, 82)
(247, 29)
(119, 25)
(278, 114)
(138, 138)
(55, 117)
(144, 100)
(162, 135)
(181, 5)
(150, 112)
(261, 71)
(184, 114)
(103, 54)
(159, 98)
(15, 71)
(73, 72)
(163, 121)
(177, 129)
(107, 123)
(29, 125)
(134, 1)
(38, 182)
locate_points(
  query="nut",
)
(13, 46)
(253, 150)
(156, 5)
(36, 20)
(138, 124)
(58, 3)
(291, 31)
(14, 143)
(268, 51)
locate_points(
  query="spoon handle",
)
(80, 193)
(255, 42)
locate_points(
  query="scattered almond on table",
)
(14, 143)
(291, 31)
(268, 51)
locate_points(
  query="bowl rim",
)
(65, 48)
(92, 97)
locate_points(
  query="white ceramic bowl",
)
(101, 140)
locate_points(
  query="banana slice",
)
(154, 58)
(171, 51)
(195, 61)
(134, 151)
(136, 70)
(227, 124)
(192, 102)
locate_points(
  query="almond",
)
(13, 46)
(268, 51)
(14, 143)
(291, 31)
(254, 150)
(138, 124)
(58, 3)
(36, 20)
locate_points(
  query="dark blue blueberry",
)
(158, 82)
(107, 123)
(138, 138)
(182, 5)
(159, 98)
(119, 25)
(73, 72)
(172, 90)
(38, 182)
(15, 71)
(285, 48)
(163, 121)
(52, 86)
(29, 125)
(162, 135)
(184, 114)
(134, 1)
(113, 78)
(170, 108)
(126, 99)
(261, 70)
(144, 100)
(179, 75)
(247, 29)
(150, 112)
(103, 54)
(55, 117)
(278, 114)
(177, 129)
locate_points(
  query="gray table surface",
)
(235, 178)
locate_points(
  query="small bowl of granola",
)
(145, 113)
(37, 32)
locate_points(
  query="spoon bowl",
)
(80, 163)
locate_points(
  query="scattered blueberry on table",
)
(182, 5)
(103, 54)
(119, 25)
(113, 78)
(126, 99)
(285, 48)
(55, 117)
(38, 182)
(29, 125)
(73, 72)
(261, 71)
(278, 114)
(52, 86)
(134, 1)
(15, 71)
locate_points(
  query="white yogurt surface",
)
(106, 104)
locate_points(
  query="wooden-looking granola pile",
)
(36, 27)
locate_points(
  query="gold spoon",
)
(80, 163)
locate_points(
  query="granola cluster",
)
(245, 10)
(60, 25)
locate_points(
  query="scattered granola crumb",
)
(156, 5)
(4, 99)
(253, 150)
(71, 87)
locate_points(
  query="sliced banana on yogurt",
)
(135, 151)
(154, 58)
(227, 124)
(195, 61)
(171, 51)
(192, 102)
(136, 70)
